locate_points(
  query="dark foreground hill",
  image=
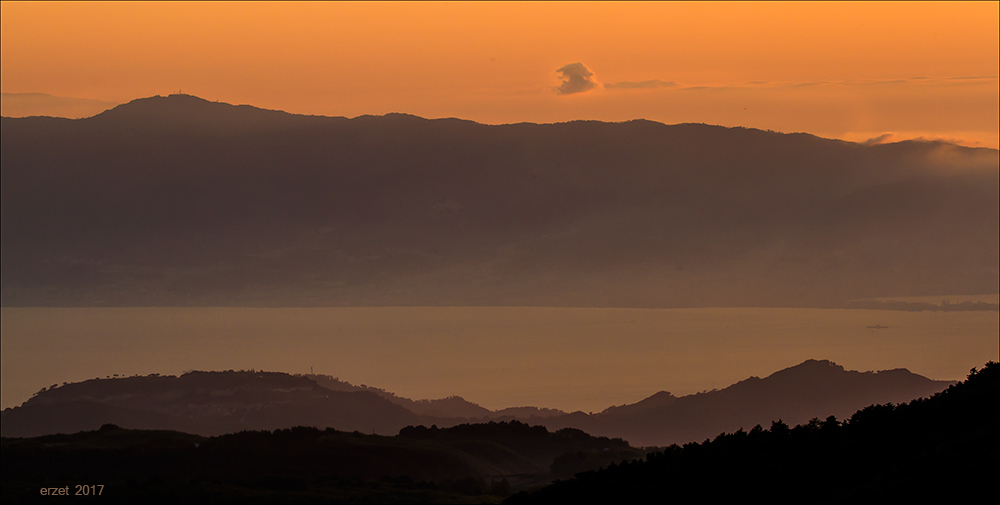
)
(177, 201)
(463, 464)
(944, 449)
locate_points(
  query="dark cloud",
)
(652, 83)
(577, 78)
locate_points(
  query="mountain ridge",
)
(793, 395)
(214, 403)
(223, 205)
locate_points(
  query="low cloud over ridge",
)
(881, 139)
(652, 83)
(577, 78)
(42, 104)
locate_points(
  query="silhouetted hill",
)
(940, 449)
(212, 403)
(943, 448)
(205, 403)
(464, 464)
(178, 201)
(796, 394)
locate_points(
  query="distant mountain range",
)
(794, 395)
(177, 201)
(214, 403)
(42, 104)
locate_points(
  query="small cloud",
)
(653, 83)
(881, 139)
(576, 79)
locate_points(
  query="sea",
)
(584, 359)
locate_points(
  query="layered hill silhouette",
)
(938, 449)
(178, 201)
(215, 403)
(941, 448)
(793, 395)
(476, 463)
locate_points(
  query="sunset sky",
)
(844, 70)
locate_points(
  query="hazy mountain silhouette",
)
(213, 403)
(203, 403)
(42, 104)
(180, 201)
(795, 395)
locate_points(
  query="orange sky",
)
(844, 70)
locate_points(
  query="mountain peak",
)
(159, 103)
(659, 400)
(811, 366)
(813, 388)
(818, 364)
(183, 109)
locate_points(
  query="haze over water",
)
(567, 358)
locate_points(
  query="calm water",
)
(572, 359)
